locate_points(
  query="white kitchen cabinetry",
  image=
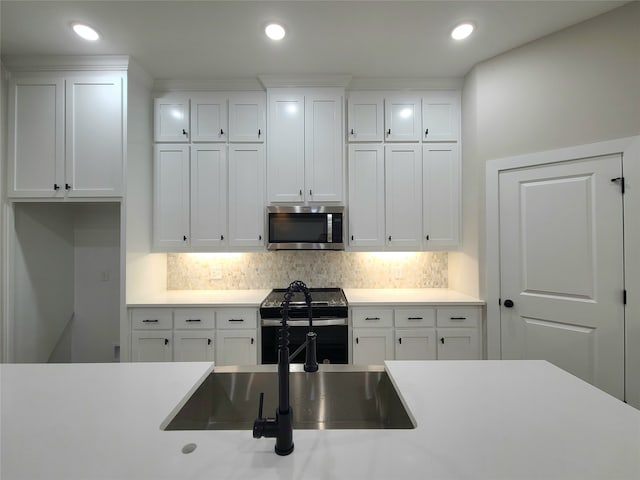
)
(199, 117)
(365, 117)
(403, 196)
(366, 195)
(67, 135)
(372, 335)
(304, 157)
(190, 196)
(246, 195)
(458, 333)
(171, 118)
(247, 117)
(440, 195)
(441, 116)
(415, 335)
(402, 118)
(227, 336)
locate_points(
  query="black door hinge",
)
(624, 297)
(499, 302)
(619, 180)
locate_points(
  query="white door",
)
(171, 196)
(440, 195)
(171, 119)
(365, 117)
(36, 137)
(236, 347)
(208, 195)
(561, 268)
(95, 136)
(285, 164)
(246, 195)
(209, 117)
(324, 166)
(247, 117)
(193, 346)
(366, 195)
(441, 117)
(402, 119)
(403, 184)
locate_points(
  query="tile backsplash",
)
(226, 271)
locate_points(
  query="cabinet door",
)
(441, 195)
(285, 156)
(36, 137)
(403, 183)
(171, 119)
(372, 346)
(208, 195)
(366, 195)
(247, 117)
(95, 129)
(458, 344)
(415, 344)
(171, 196)
(365, 116)
(151, 346)
(236, 347)
(324, 165)
(209, 117)
(246, 195)
(441, 117)
(194, 346)
(402, 119)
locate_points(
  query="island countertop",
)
(475, 420)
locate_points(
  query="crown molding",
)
(213, 84)
(55, 63)
(409, 83)
(321, 80)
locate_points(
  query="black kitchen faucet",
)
(281, 427)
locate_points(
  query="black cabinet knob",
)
(508, 303)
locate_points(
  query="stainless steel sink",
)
(335, 397)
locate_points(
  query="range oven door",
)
(331, 343)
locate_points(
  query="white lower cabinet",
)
(415, 333)
(227, 336)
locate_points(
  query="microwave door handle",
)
(329, 228)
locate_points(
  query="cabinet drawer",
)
(237, 318)
(458, 317)
(151, 318)
(194, 318)
(415, 317)
(372, 317)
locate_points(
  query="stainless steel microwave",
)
(305, 228)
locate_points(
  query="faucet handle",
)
(264, 427)
(311, 361)
(260, 405)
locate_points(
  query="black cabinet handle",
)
(208, 341)
(236, 319)
(389, 237)
(414, 318)
(252, 341)
(221, 132)
(192, 320)
(221, 237)
(457, 318)
(389, 132)
(400, 340)
(259, 132)
(56, 186)
(442, 340)
(351, 237)
(357, 341)
(426, 132)
(166, 341)
(259, 237)
(150, 320)
(352, 132)
(300, 192)
(372, 318)
(184, 132)
(184, 238)
(67, 186)
(427, 237)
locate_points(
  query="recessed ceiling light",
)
(85, 31)
(274, 31)
(462, 31)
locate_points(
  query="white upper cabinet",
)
(304, 157)
(208, 195)
(171, 118)
(441, 116)
(365, 117)
(366, 195)
(209, 117)
(285, 154)
(171, 196)
(66, 136)
(441, 195)
(402, 119)
(246, 195)
(247, 117)
(403, 186)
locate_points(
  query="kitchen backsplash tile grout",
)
(225, 271)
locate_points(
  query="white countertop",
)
(475, 420)
(355, 297)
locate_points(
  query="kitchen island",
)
(474, 420)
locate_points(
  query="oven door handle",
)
(317, 322)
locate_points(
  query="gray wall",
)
(580, 85)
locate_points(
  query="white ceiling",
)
(224, 39)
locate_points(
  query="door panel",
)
(561, 264)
